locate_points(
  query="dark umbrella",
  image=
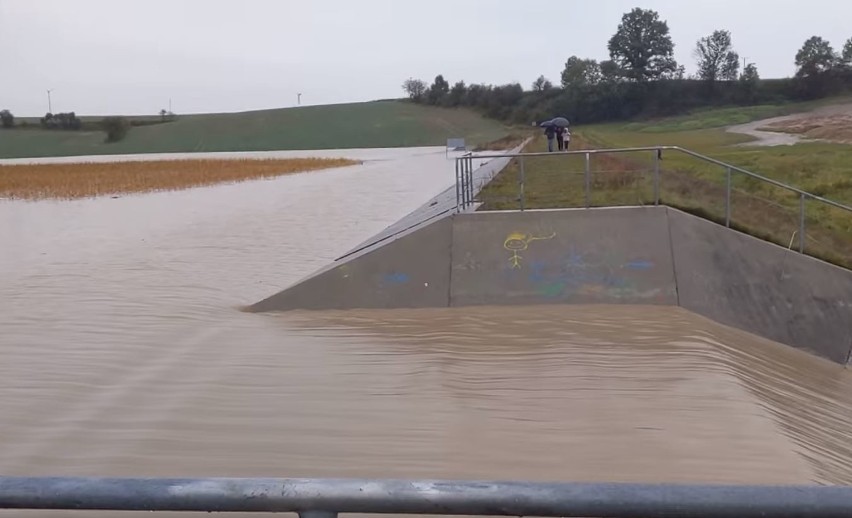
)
(562, 122)
(546, 124)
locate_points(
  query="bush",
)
(116, 128)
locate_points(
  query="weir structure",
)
(452, 252)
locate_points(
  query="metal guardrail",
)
(317, 498)
(465, 193)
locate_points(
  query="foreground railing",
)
(314, 498)
(466, 190)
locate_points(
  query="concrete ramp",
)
(410, 271)
(630, 255)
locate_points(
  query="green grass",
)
(721, 117)
(758, 208)
(347, 126)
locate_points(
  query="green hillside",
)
(361, 125)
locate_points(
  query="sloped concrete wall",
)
(611, 256)
(762, 288)
(411, 271)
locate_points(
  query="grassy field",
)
(758, 208)
(361, 125)
(70, 181)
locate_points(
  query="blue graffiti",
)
(396, 278)
(639, 265)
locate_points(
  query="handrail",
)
(325, 498)
(671, 148)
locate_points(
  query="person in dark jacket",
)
(560, 140)
(550, 133)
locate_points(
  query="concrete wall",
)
(411, 271)
(613, 256)
(632, 255)
(762, 288)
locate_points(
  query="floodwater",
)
(123, 353)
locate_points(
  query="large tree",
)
(414, 88)
(815, 57)
(716, 58)
(642, 46)
(580, 72)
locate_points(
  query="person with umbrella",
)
(550, 131)
(561, 124)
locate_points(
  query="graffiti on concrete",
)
(594, 275)
(396, 278)
(517, 242)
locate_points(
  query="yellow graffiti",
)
(517, 242)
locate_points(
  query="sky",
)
(133, 56)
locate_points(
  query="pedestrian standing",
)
(566, 138)
(550, 133)
(560, 142)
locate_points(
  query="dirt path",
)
(829, 123)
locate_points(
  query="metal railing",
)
(466, 192)
(317, 498)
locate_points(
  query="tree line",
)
(115, 127)
(642, 78)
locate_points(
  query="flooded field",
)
(124, 354)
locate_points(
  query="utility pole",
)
(745, 64)
(49, 104)
(299, 99)
(170, 105)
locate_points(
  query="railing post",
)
(470, 181)
(657, 153)
(587, 177)
(802, 223)
(523, 179)
(728, 197)
(458, 187)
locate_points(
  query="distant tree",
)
(750, 74)
(847, 53)
(7, 120)
(580, 72)
(116, 128)
(457, 94)
(716, 58)
(61, 121)
(815, 57)
(414, 88)
(439, 90)
(163, 114)
(542, 84)
(642, 46)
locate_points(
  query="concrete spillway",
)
(631, 255)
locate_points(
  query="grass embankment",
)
(346, 126)
(70, 181)
(695, 186)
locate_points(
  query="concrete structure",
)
(631, 255)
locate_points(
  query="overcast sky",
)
(132, 56)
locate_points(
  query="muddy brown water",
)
(123, 353)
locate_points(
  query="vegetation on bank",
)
(758, 208)
(83, 180)
(642, 79)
